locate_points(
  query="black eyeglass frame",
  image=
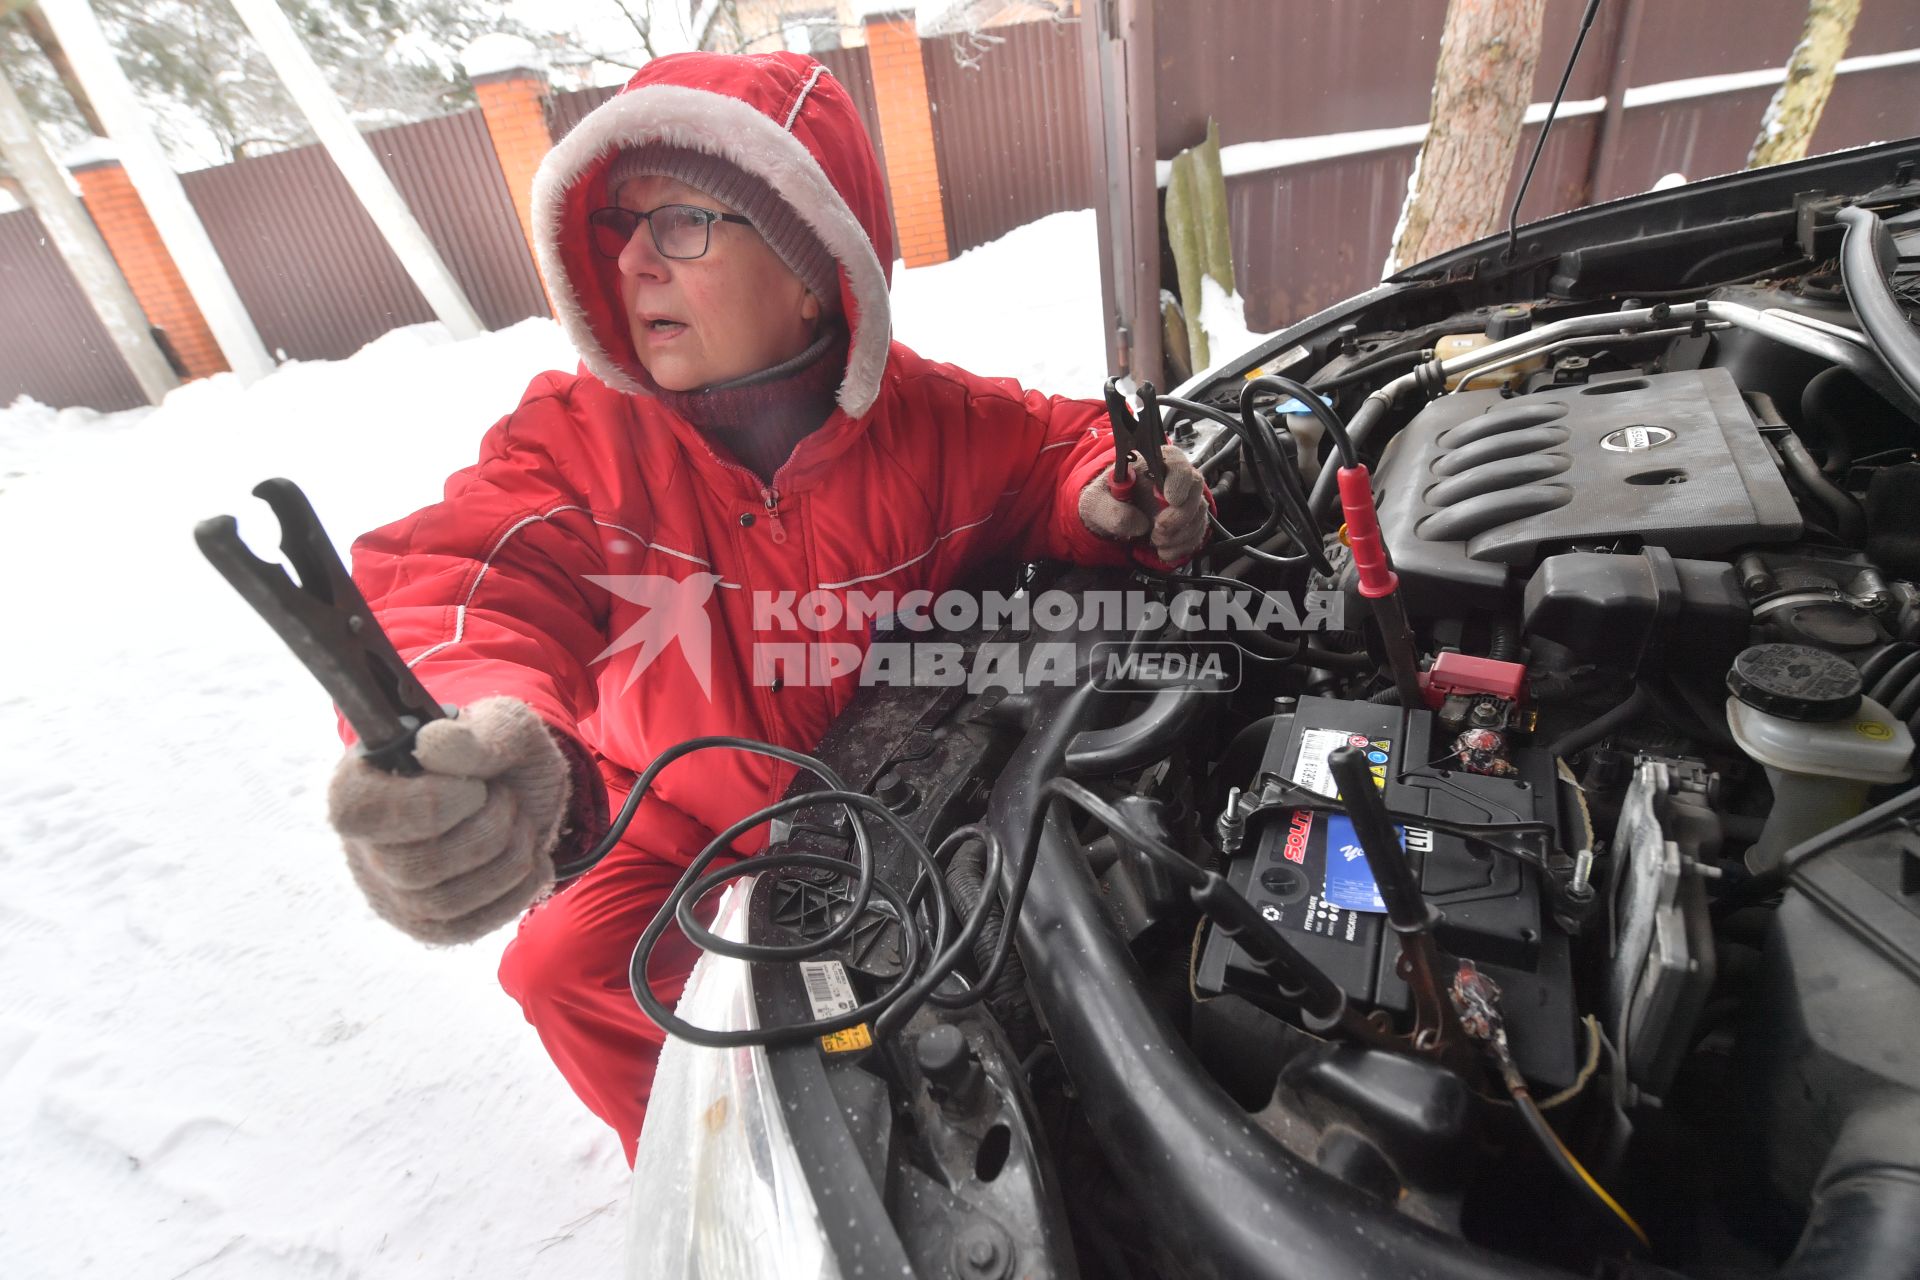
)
(610, 216)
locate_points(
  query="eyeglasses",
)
(679, 230)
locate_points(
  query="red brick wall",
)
(135, 243)
(913, 170)
(514, 105)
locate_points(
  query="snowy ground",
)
(214, 1061)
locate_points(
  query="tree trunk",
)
(1794, 113)
(1488, 51)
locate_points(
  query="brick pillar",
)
(514, 103)
(906, 126)
(135, 243)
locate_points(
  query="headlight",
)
(717, 1188)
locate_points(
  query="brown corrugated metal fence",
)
(1008, 128)
(55, 348)
(849, 66)
(570, 106)
(1011, 143)
(312, 268)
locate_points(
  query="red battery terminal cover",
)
(1370, 563)
(1467, 676)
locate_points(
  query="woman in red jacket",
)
(715, 241)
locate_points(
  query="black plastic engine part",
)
(1490, 903)
(1893, 518)
(1416, 1113)
(1478, 489)
(1620, 609)
(1835, 1066)
(1795, 682)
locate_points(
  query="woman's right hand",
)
(464, 846)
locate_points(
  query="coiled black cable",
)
(917, 982)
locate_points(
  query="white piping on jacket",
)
(935, 546)
(460, 610)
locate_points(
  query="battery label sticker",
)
(1287, 897)
(1310, 768)
(1349, 879)
(828, 990)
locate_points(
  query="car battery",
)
(1305, 874)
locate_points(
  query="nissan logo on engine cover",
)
(1635, 438)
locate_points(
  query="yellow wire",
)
(1601, 1191)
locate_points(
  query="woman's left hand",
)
(1175, 531)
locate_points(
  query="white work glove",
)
(453, 852)
(1177, 530)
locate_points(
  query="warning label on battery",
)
(1310, 769)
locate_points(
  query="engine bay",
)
(1615, 964)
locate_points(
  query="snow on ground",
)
(214, 1061)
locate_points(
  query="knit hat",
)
(776, 220)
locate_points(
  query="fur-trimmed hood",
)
(780, 116)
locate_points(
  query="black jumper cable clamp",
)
(1143, 437)
(327, 623)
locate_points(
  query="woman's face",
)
(695, 322)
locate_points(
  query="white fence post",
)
(159, 187)
(360, 167)
(79, 242)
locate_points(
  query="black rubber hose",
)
(1365, 419)
(1892, 678)
(1007, 998)
(1863, 1227)
(1565, 686)
(1503, 642)
(1567, 744)
(1864, 1220)
(1818, 410)
(1169, 716)
(1864, 268)
(1849, 519)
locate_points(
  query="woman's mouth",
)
(661, 330)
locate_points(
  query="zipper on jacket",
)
(771, 497)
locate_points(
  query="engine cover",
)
(1480, 487)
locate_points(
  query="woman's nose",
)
(642, 257)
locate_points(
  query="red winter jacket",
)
(591, 499)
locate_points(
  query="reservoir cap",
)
(1795, 682)
(1504, 322)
